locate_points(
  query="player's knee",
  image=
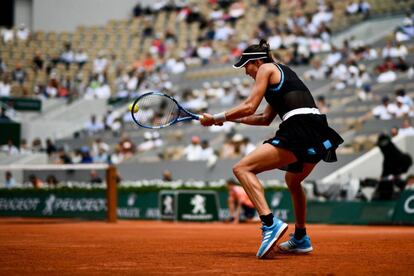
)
(239, 169)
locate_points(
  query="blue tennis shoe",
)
(270, 235)
(293, 245)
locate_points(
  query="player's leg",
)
(265, 157)
(300, 242)
(294, 183)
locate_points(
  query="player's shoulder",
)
(267, 68)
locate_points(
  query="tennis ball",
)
(135, 108)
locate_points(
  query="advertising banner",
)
(404, 211)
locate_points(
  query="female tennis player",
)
(302, 140)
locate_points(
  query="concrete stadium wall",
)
(63, 15)
(23, 13)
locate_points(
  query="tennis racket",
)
(157, 110)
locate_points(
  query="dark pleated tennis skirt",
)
(310, 139)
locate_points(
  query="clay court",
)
(46, 246)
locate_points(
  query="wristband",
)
(219, 117)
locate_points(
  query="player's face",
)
(251, 69)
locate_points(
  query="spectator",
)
(237, 141)
(248, 146)
(38, 61)
(228, 149)
(408, 19)
(402, 65)
(178, 66)
(3, 67)
(100, 63)
(37, 145)
(399, 109)
(386, 71)
(364, 8)
(229, 96)
(148, 143)
(223, 31)
(382, 111)
(409, 182)
(35, 181)
(10, 148)
(400, 50)
(97, 145)
(50, 147)
(238, 200)
(63, 158)
(101, 157)
(193, 151)
(394, 131)
(117, 157)
(351, 8)
(407, 129)
(81, 57)
(51, 181)
(7, 35)
(98, 89)
(22, 33)
(206, 151)
(333, 57)
(93, 126)
(9, 181)
(85, 155)
(318, 72)
(167, 175)
(205, 53)
(236, 10)
(149, 62)
(137, 11)
(67, 57)
(148, 30)
(24, 147)
(401, 95)
(363, 79)
(52, 88)
(216, 13)
(19, 74)
(95, 178)
(127, 147)
(322, 105)
(390, 51)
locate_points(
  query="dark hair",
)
(263, 46)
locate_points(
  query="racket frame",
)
(191, 116)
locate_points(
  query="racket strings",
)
(156, 111)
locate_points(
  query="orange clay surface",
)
(51, 246)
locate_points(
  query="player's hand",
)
(207, 119)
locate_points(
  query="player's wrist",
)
(219, 117)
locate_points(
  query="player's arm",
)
(249, 106)
(262, 119)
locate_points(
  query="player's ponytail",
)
(265, 47)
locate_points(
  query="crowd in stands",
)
(301, 35)
(303, 38)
